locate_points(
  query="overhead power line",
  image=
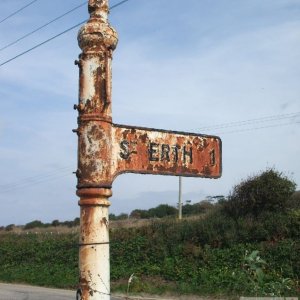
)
(41, 181)
(257, 128)
(35, 180)
(32, 179)
(118, 4)
(17, 11)
(251, 121)
(54, 37)
(40, 44)
(43, 26)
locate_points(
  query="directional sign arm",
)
(155, 151)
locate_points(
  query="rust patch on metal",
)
(161, 152)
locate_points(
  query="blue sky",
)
(185, 66)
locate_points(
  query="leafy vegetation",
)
(254, 253)
(268, 191)
(184, 257)
(47, 260)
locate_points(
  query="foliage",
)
(54, 223)
(122, 216)
(246, 245)
(197, 208)
(262, 285)
(161, 211)
(40, 259)
(268, 191)
(10, 227)
(197, 254)
(185, 257)
(165, 210)
(254, 265)
(294, 201)
(34, 224)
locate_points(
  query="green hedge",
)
(207, 257)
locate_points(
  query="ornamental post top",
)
(97, 34)
(98, 9)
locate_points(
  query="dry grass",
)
(127, 223)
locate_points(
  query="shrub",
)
(10, 227)
(197, 208)
(34, 224)
(294, 201)
(268, 191)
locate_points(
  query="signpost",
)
(106, 150)
(156, 151)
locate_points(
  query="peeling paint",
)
(97, 39)
(161, 152)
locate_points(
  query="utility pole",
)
(180, 199)
(97, 40)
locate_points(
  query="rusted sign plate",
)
(153, 151)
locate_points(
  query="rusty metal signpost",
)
(106, 150)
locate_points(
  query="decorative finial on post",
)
(97, 34)
(99, 8)
(97, 39)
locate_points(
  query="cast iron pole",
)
(97, 39)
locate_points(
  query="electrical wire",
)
(251, 121)
(257, 128)
(54, 37)
(37, 179)
(118, 4)
(17, 11)
(37, 182)
(43, 26)
(32, 179)
(44, 42)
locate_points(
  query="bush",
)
(34, 224)
(294, 201)
(161, 211)
(202, 256)
(197, 208)
(10, 227)
(268, 191)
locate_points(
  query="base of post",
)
(94, 243)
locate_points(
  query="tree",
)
(10, 227)
(139, 214)
(268, 191)
(123, 216)
(162, 210)
(76, 221)
(198, 208)
(55, 223)
(34, 224)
